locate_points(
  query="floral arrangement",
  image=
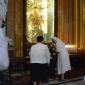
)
(52, 49)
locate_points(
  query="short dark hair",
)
(39, 38)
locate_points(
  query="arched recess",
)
(47, 37)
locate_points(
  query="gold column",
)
(19, 28)
(76, 22)
(15, 26)
(10, 19)
(63, 20)
(82, 24)
(50, 19)
(66, 27)
(11, 25)
(60, 18)
(70, 29)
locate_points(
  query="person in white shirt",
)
(39, 59)
(63, 63)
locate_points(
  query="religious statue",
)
(3, 11)
(35, 20)
(3, 8)
(4, 58)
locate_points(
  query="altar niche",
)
(39, 19)
(62, 18)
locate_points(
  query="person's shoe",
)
(60, 79)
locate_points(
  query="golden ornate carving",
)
(18, 28)
(34, 19)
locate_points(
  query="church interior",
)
(26, 19)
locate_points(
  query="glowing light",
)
(71, 48)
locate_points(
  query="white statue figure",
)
(3, 11)
(3, 8)
(4, 60)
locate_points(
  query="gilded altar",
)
(57, 19)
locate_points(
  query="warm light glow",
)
(40, 19)
(71, 48)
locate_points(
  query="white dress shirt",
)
(39, 53)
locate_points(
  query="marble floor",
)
(74, 81)
(24, 80)
(80, 82)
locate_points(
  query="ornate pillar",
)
(60, 21)
(76, 19)
(10, 19)
(66, 25)
(63, 16)
(19, 28)
(70, 17)
(11, 25)
(82, 24)
(15, 25)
